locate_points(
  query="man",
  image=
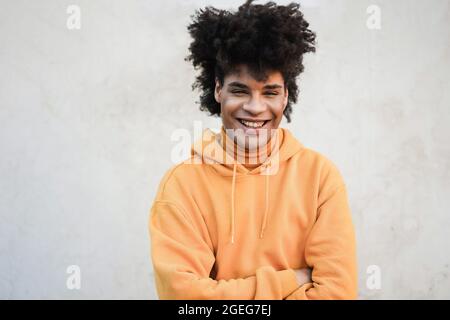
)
(253, 214)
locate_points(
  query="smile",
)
(252, 123)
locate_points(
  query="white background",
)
(86, 118)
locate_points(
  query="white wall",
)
(86, 118)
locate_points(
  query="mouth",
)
(253, 124)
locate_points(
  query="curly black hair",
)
(262, 37)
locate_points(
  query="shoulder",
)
(326, 172)
(179, 177)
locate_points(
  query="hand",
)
(303, 276)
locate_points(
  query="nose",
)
(255, 106)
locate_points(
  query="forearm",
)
(265, 284)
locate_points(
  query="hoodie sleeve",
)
(331, 251)
(183, 260)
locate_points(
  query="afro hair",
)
(262, 37)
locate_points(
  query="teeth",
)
(253, 124)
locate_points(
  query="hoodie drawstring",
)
(266, 204)
(233, 184)
(266, 207)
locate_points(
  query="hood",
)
(216, 150)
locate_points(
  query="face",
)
(250, 107)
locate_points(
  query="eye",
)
(238, 92)
(272, 93)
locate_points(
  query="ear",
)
(217, 91)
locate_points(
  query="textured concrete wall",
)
(87, 114)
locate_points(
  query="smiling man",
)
(253, 214)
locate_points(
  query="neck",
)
(250, 158)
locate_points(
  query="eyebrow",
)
(243, 86)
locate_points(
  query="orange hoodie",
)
(220, 230)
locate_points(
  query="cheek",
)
(230, 105)
(277, 107)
